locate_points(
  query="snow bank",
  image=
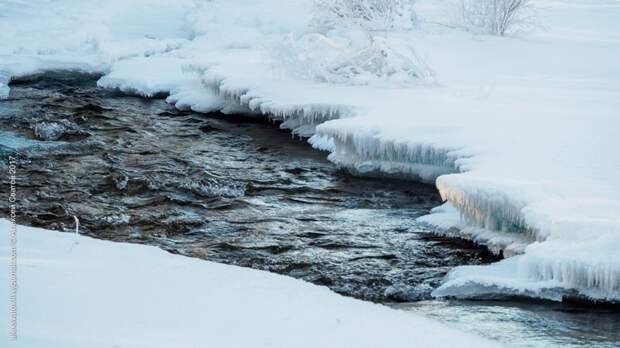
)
(519, 134)
(86, 292)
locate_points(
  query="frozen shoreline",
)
(518, 133)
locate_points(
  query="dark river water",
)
(240, 191)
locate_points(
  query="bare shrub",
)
(374, 15)
(496, 17)
(355, 42)
(352, 59)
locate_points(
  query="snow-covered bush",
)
(496, 17)
(353, 58)
(373, 15)
(355, 42)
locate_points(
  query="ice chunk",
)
(495, 281)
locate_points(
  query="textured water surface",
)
(526, 323)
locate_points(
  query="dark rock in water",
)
(295, 171)
(209, 128)
(89, 108)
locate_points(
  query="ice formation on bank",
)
(519, 134)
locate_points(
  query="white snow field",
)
(520, 134)
(83, 292)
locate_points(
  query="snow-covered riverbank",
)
(519, 134)
(76, 292)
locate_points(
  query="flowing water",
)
(527, 323)
(241, 191)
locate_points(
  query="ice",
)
(497, 281)
(235, 81)
(448, 221)
(115, 294)
(321, 142)
(544, 271)
(361, 151)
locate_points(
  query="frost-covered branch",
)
(375, 15)
(496, 17)
(355, 42)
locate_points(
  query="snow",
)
(519, 133)
(77, 291)
(145, 76)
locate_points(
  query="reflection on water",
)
(526, 323)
